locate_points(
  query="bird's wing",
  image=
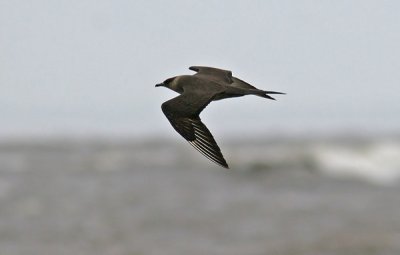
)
(183, 114)
(214, 74)
(238, 83)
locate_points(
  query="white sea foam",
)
(378, 162)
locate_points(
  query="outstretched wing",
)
(183, 114)
(225, 77)
(212, 73)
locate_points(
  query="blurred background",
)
(90, 165)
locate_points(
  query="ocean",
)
(322, 195)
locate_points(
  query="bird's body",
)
(197, 91)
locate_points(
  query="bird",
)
(196, 92)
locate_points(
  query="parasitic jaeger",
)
(196, 92)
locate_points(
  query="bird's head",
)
(168, 83)
(173, 84)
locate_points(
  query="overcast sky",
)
(90, 66)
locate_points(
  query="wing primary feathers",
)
(186, 121)
(206, 144)
(220, 162)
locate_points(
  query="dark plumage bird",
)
(196, 92)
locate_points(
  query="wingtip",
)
(194, 68)
(223, 164)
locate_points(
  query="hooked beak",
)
(160, 85)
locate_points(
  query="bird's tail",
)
(263, 93)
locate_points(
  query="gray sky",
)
(89, 67)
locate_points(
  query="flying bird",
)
(196, 92)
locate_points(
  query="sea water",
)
(127, 196)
